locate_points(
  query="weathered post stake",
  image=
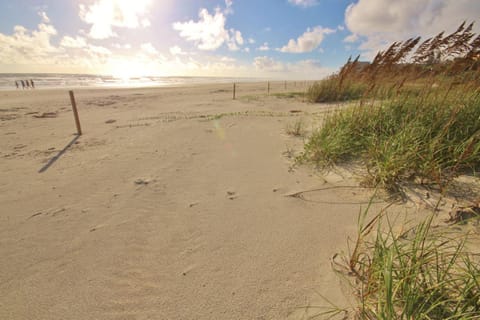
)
(75, 112)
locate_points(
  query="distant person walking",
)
(32, 84)
(23, 84)
(16, 84)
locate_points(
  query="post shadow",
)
(58, 155)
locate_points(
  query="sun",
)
(127, 69)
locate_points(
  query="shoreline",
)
(74, 81)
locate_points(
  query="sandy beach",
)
(173, 204)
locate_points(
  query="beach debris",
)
(193, 204)
(35, 215)
(461, 214)
(46, 115)
(188, 269)
(295, 111)
(110, 121)
(54, 213)
(141, 181)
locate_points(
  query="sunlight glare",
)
(126, 69)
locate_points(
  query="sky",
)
(278, 39)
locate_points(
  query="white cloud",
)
(303, 69)
(122, 46)
(227, 59)
(351, 38)
(304, 3)
(238, 37)
(234, 40)
(251, 40)
(69, 42)
(309, 69)
(145, 23)
(265, 63)
(232, 46)
(382, 22)
(228, 7)
(247, 49)
(308, 41)
(45, 18)
(103, 15)
(148, 48)
(32, 51)
(99, 51)
(176, 50)
(209, 31)
(25, 46)
(264, 47)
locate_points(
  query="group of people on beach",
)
(28, 84)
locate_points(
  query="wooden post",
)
(75, 112)
(304, 91)
(285, 85)
(268, 88)
(234, 85)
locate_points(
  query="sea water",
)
(64, 81)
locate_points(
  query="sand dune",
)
(171, 205)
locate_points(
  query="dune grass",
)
(288, 95)
(416, 120)
(397, 272)
(296, 128)
(419, 273)
(332, 89)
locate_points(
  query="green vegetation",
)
(296, 128)
(421, 273)
(414, 121)
(289, 95)
(334, 89)
(415, 118)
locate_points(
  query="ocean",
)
(58, 81)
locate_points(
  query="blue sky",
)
(284, 39)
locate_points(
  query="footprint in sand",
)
(232, 195)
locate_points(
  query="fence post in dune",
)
(285, 85)
(234, 89)
(304, 91)
(268, 88)
(75, 112)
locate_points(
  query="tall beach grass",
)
(417, 273)
(416, 114)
